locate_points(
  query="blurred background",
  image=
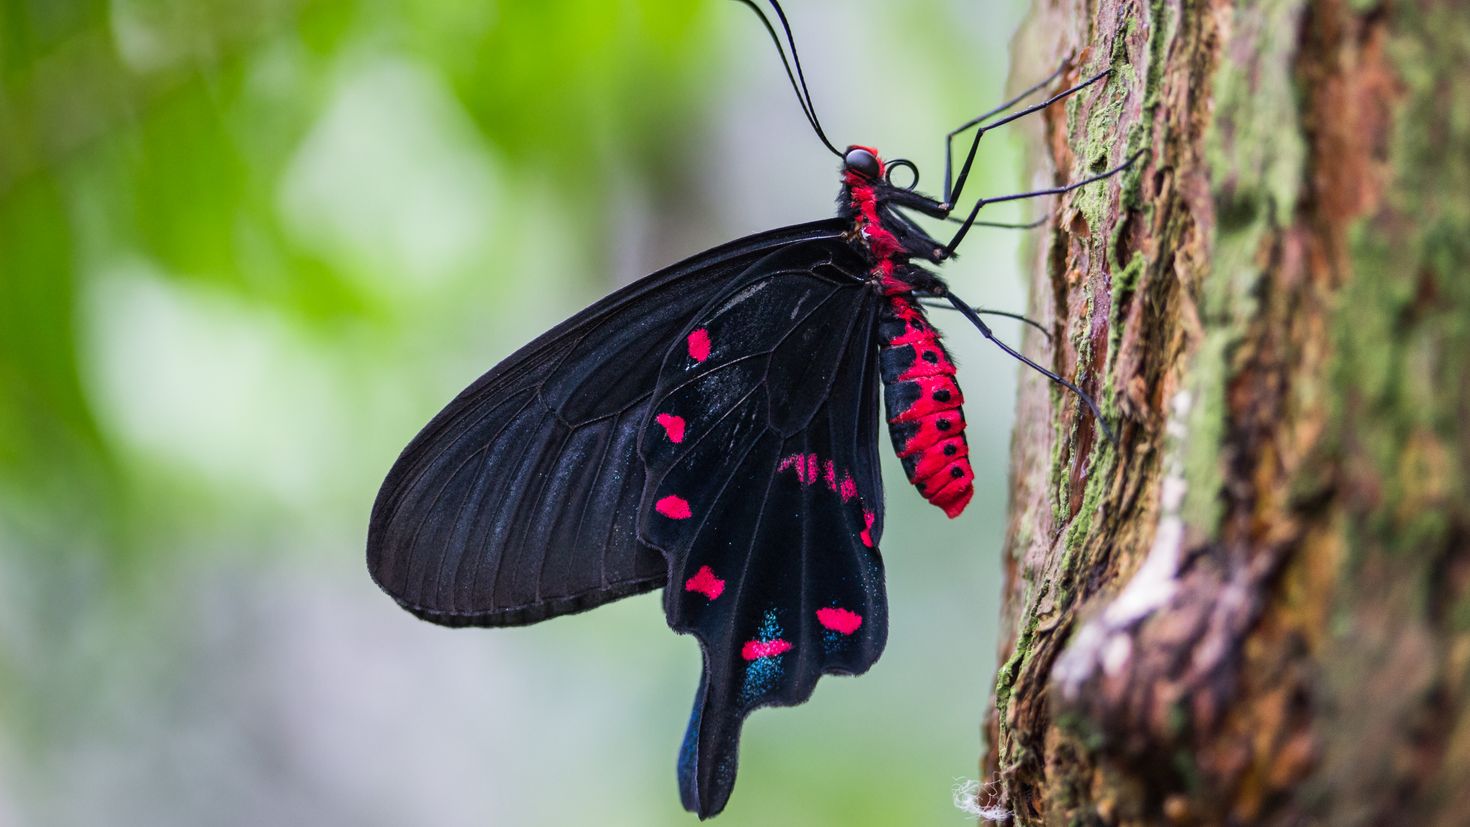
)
(248, 247)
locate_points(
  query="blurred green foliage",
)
(162, 130)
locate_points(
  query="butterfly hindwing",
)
(520, 500)
(766, 498)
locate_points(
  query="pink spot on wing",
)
(810, 467)
(839, 620)
(866, 536)
(807, 467)
(673, 426)
(757, 649)
(706, 583)
(699, 345)
(673, 507)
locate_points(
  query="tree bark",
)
(1257, 609)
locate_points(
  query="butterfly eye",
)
(862, 162)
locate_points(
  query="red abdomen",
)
(923, 401)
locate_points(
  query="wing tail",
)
(767, 503)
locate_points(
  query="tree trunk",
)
(1257, 609)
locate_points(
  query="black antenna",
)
(797, 78)
(974, 318)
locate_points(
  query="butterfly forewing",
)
(766, 498)
(520, 500)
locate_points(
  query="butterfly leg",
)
(974, 317)
(938, 209)
(1002, 225)
(948, 249)
(952, 191)
(1027, 320)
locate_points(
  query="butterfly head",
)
(862, 161)
(863, 166)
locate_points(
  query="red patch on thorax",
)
(882, 244)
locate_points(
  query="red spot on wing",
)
(674, 507)
(699, 345)
(809, 468)
(706, 583)
(791, 462)
(757, 649)
(866, 536)
(673, 426)
(805, 465)
(839, 620)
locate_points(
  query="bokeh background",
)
(248, 247)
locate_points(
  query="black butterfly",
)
(712, 430)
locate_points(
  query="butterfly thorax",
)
(877, 242)
(926, 419)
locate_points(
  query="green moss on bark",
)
(1301, 242)
(1257, 156)
(1402, 326)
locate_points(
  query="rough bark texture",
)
(1257, 610)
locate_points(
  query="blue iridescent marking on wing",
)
(762, 674)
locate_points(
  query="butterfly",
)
(712, 431)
